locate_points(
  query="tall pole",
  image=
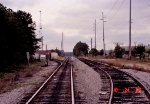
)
(62, 42)
(95, 33)
(130, 32)
(46, 47)
(91, 43)
(103, 21)
(40, 31)
(42, 42)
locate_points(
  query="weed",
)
(28, 74)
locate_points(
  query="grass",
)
(8, 80)
(141, 65)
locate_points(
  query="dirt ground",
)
(14, 86)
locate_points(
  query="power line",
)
(117, 9)
(115, 3)
(148, 3)
(121, 4)
(142, 17)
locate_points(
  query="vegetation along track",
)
(57, 89)
(125, 89)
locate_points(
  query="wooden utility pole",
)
(130, 31)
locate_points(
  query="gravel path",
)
(88, 83)
(26, 85)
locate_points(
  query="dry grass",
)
(2, 85)
(44, 76)
(61, 58)
(28, 74)
(8, 80)
(141, 65)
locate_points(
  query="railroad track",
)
(123, 88)
(57, 89)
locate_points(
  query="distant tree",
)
(139, 50)
(80, 49)
(119, 51)
(94, 52)
(58, 52)
(148, 51)
(101, 52)
(111, 53)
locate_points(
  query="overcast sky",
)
(75, 18)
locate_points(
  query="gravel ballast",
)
(88, 83)
(143, 77)
(26, 85)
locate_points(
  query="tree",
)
(119, 51)
(17, 37)
(111, 53)
(148, 51)
(94, 52)
(101, 52)
(139, 50)
(58, 52)
(80, 49)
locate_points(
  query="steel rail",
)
(112, 87)
(111, 84)
(134, 77)
(32, 97)
(138, 81)
(72, 87)
(147, 92)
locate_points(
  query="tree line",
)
(140, 51)
(17, 36)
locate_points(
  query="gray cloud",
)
(76, 18)
(18, 4)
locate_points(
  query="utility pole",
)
(130, 31)
(46, 47)
(95, 33)
(91, 43)
(42, 42)
(62, 41)
(103, 21)
(40, 31)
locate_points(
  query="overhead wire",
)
(148, 5)
(112, 7)
(121, 5)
